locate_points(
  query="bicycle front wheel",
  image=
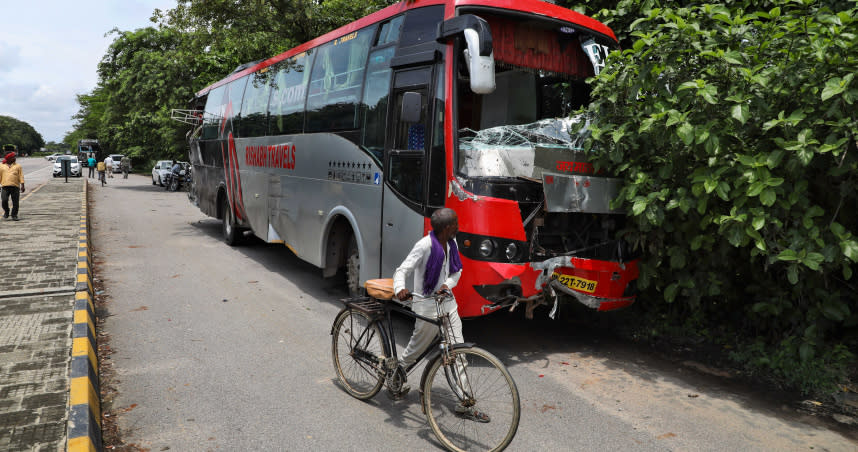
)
(358, 353)
(472, 402)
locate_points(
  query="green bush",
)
(823, 373)
(735, 131)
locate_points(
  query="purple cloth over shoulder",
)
(436, 260)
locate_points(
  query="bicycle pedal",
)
(398, 395)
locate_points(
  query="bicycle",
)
(458, 378)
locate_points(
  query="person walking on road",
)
(102, 167)
(90, 162)
(125, 166)
(109, 163)
(12, 182)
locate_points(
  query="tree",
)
(150, 71)
(142, 82)
(21, 134)
(89, 118)
(733, 128)
(52, 146)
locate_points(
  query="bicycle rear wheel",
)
(478, 381)
(358, 352)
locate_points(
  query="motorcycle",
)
(176, 178)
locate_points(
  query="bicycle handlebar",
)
(437, 296)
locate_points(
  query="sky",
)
(50, 50)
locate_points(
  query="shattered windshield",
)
(519, 150)
(523, 127)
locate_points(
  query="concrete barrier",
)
(84, 420)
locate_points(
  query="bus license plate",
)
(576, 283)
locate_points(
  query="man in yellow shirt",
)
(12, 182)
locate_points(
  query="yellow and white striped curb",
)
(84, 421)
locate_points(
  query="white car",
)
(116, 159)
(74, 167)
(159, 172)
(54, 156)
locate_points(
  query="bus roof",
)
(536, 7)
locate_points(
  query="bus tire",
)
(231, 235)
(353, 268)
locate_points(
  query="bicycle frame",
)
(458, 383)
(388, 339)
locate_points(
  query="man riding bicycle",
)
(437, 267)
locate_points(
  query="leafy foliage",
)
(52, 146)
(150, 71)
(21, 134)
(734, 128)
(779, 364)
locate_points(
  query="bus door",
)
(405, 166)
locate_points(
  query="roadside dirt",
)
(696, 364)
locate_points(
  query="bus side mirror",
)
(411, 105)
(479, 55)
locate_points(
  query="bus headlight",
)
(511, 251)
(487, 247)
(492, 249)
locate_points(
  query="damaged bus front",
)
(535, 217)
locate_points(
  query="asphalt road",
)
(220, 348)
(37, 171)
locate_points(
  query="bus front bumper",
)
(599, 285)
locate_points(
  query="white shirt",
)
(108, 161)
(416, 262)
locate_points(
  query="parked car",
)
(116, 158)
(74, 167)
(159, 172)
(53, 156)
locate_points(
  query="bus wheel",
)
(231, 234)
(353, 269)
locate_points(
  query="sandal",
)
(470, 412)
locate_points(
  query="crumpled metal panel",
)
(547, 269)
(577, 193)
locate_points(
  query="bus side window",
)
(405, 170)
(212, 115)
(336, 82)
(375, 99)
(421, 25)
(286, 107)
(254, 109)
(235, 92)
(390, 31)
(405, 174)
(437, 180)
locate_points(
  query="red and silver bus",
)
(342, 147)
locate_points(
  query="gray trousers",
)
(423, 335)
